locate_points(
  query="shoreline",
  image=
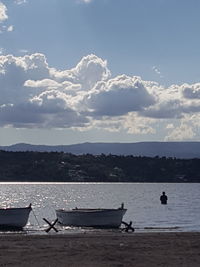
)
(101, 249)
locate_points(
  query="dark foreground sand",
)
(109, 249)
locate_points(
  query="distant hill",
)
(149, 149)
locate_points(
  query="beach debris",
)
(127, 227)
(51, 225)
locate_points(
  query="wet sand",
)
(106, 249)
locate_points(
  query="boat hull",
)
(102, 218)
(14, 218)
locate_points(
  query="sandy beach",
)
(95, 250)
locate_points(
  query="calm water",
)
(142, 201)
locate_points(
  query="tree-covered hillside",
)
(59, 167)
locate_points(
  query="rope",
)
(36, 218)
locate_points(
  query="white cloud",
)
(110, 125)
(88, 72)
(154, 68)
(3, 10)
(118, 96)
(191, 91)
(2, 50)
(185, 129)
(10, 28)
(181, 133)
(86, 1)
(23, 51)
(171, 108)
(47, 83)
(139, 125)
(14, 71)
(19, 2)
(157, 71)
(33, 95)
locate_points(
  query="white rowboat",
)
(13, 218)
(102, 218)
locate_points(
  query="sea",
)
(142, 200)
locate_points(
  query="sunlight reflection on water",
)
(141, 200)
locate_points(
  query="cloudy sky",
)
(74, 71)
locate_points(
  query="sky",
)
(74, 71)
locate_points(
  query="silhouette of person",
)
(163, 198)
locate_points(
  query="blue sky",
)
(74, 71)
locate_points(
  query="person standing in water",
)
(163, 198)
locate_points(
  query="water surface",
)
(141, 199)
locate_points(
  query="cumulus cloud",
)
(165, 109)
(35, 95)
(45, 94)
(14, 71)
(88, 72)
(191, 91)
(135, 124)
(118, 96)
(181, 133)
